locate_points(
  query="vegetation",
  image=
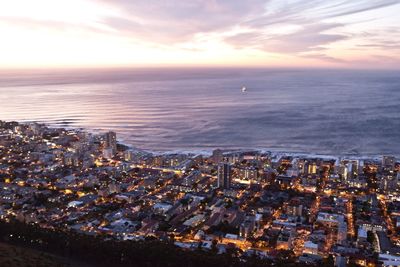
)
(12, 256)
(106, 251)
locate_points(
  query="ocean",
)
(327, 112)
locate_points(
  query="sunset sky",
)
(284, 33)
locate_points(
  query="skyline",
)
(255, 33)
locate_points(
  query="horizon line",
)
(192, 66)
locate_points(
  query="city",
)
(342, 211)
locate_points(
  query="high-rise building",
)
(352, 169)
(110, 141)
(388, 162)
(217, 156)
(224, 175)
(342, 171)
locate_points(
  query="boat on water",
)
(244, 89)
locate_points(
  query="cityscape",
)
(200, 133)
(298, 209)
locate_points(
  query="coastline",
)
(208, 152)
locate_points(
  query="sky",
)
(253, 33)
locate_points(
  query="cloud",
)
(170, 22)
(384, 45)
(324, 57)
(178, 21)
(314, 35)
(303, 28)
(360, 6)
(313, 10)
(311, 37)
(167, 21)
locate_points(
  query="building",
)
(342, 233)
(108, 153)
(161, 208)
(128, 155)
(312, 168)
(330, 219)
(389, 260)
(192, 178)
(352, 167)
(294, 208)
(285, 239)
(217, 156)
(247, 227)
(224, 175)
(310, 248)
(248, 173)
(388, 162)
(342, 171)
(362, 235)
(110, 141)
(70, 159)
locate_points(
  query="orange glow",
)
(93, 33)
